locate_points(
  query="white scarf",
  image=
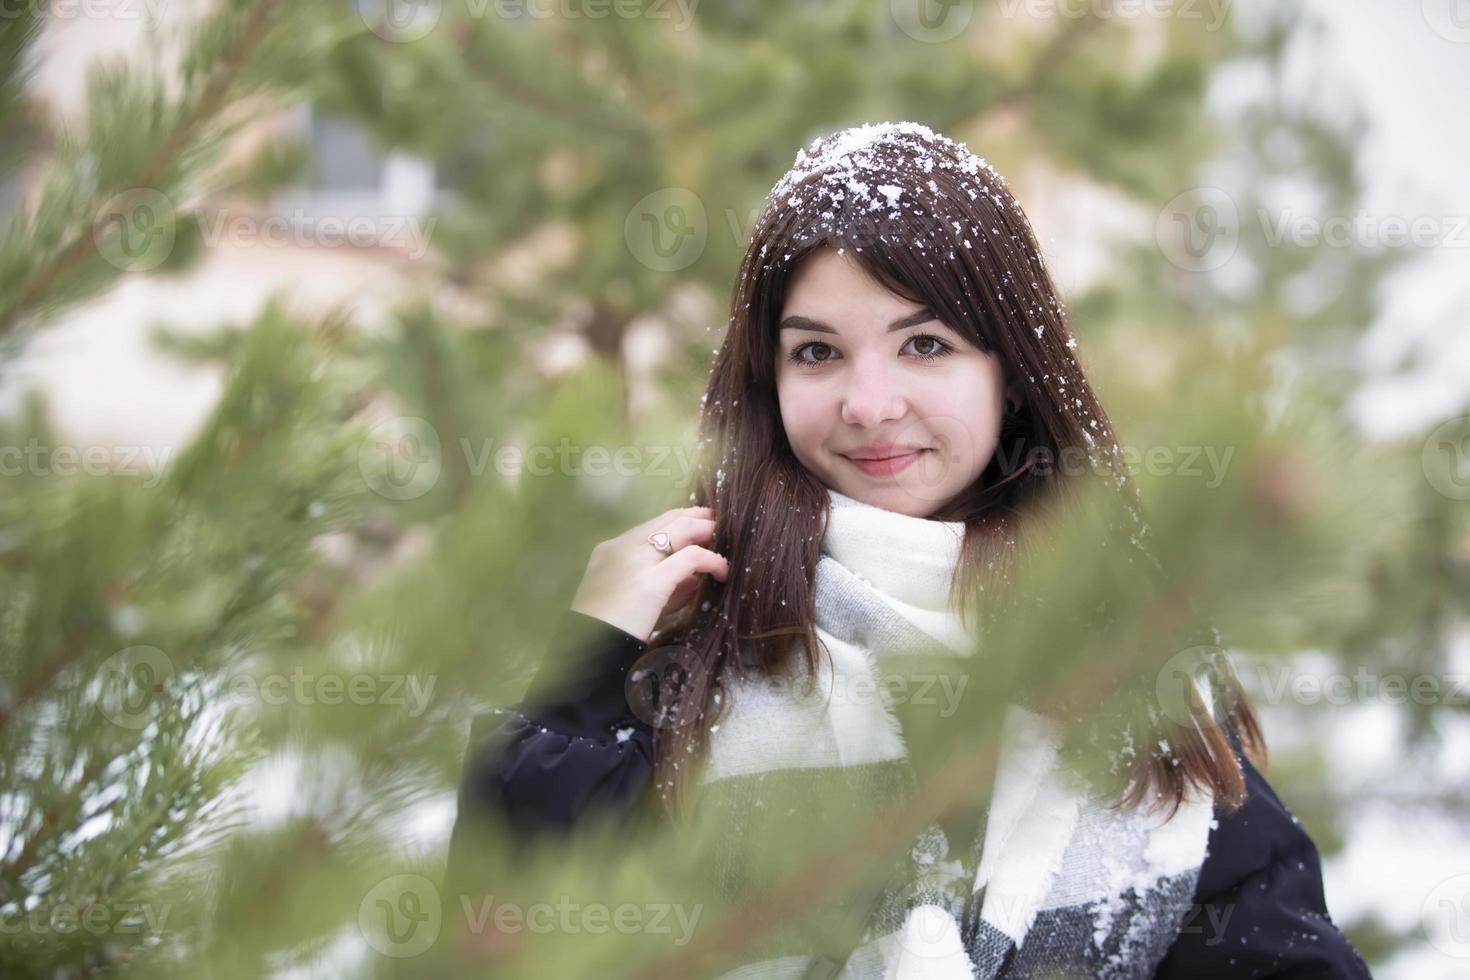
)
(1111, 888)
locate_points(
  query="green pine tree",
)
(344, 516)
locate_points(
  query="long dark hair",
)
(935, 224)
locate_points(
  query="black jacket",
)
(578, 748)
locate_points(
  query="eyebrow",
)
(797, 322)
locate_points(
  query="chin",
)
(894, 498)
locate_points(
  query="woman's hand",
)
(629, 583)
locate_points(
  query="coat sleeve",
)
(1259, 906)
(568, 749)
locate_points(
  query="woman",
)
(886, 417)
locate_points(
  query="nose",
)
(873, 395)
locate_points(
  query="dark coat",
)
(577, 748)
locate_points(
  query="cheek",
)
(801, 413)
(978, 398)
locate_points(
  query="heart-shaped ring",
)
(660, 541)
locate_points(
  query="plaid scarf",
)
(1047, 883)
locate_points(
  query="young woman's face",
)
(863, 372)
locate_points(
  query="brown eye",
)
(796, 354)
(937, 347)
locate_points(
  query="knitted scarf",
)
(1050, 883)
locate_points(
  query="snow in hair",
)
(849, 158)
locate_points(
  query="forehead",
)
(826, 280)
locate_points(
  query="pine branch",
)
(84, 245)
(1020, 95)
(538, 99)
(51, 822)
(73, 647)
(423, 334)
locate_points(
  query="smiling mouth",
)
(887, 466)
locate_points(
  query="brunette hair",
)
(935, 224)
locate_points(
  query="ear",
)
(1013, 397)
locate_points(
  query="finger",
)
(687, 531)
(659, 522)
(690, 560)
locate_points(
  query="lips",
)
(883, 450)
(888, 465)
